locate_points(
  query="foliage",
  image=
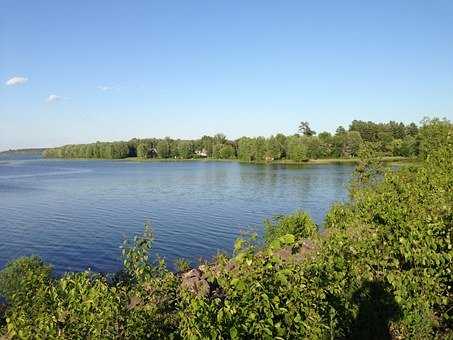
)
(223, 151)
(164, 148)
(392, 139)
(380, 269)
(142, 150)
(304, 128)
(138, 303)
(299, 224)
(135, 255)
(297, 150)
(151, 291)
(405, 222)
(257, 300)
(77, 305)
(182, 265)
(369, 169)
(246, 149)
(432, 135)
(20, 278)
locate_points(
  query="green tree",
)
(368, 130)
(326, 144)
(164, 148)
(304, 128)
(259, 149)
(412, 130)
(297, 150)
(314, 148)
(207, 143)
(386, 141)
(246, 149)
(219, 138)
(282, 144)
(226, 152)
(398, 130)
(407, 147)
(142, 150)
(432, 134)
(186, 149)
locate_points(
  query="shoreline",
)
(320, 161)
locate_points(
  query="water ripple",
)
(76, 214)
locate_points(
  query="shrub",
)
(404, 227)
(382, 270)
(21, 278)
(298, 224)
(77, 305)
(258, 296)
(182, 265)
(151, 291)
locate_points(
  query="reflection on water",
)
(75, 214)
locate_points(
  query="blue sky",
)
(81, 71)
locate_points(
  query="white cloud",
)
(16, 81)
(105, 88)
(53, 98)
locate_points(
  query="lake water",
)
(75, 214)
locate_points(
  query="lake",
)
(75, 213)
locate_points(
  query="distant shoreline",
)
(30, 151)
(387, 159)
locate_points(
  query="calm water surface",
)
(75, 214)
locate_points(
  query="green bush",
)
(260, 296)
(138, 303)
(21, 278)
(381, 270)
(21, 282)
(298, 224)
(404, 226)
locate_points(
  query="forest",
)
(378, 268)
(392, 139)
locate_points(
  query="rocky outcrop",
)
(195, 282)
(288, 254)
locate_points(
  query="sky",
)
(82, 71)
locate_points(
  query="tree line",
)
(391, 139)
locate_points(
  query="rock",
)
(306, 248)
(195, 282)
(134, 301)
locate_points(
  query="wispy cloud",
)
(53, 98)
(16, 81)
(105, 88)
